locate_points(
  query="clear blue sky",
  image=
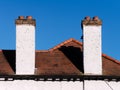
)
(59, 20)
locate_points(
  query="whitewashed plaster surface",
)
(40, 85)
(25, 49)
(102, 85)
(92, 49)
(59, 85)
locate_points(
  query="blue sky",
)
(59, 20)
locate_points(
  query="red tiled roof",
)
(63, 59)
(72, 39)
(5, 67)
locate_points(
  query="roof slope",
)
(63, 59)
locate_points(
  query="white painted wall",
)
(101, 85)
(40, 85)
(92, 49)
(25, 49)
(77, 85)
(59, 85)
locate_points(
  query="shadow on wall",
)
(75, 55)
(10, 55)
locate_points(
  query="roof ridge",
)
(63, 43)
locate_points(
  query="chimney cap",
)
(28, 20)
(94, 21)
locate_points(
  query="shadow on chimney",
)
(75, 55)
(10, 55)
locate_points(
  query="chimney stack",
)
(25, 45)
(92, 53)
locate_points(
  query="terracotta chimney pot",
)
(29, 17)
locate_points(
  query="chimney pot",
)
(95, 18)
(29, 17)
(87, 18)
(21, 17)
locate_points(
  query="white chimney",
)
(92, 46)
(25, 45)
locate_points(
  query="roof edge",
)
(110, 58)
(65, 42)
(59, 77)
